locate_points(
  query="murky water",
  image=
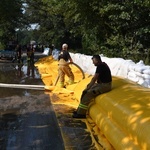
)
(19, 106)
(14, 73)
(27, 117)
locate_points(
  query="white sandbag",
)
(138, 74)
(147, 71)
(146, 76)
(140, 81)
(46, 51)
(145, 84)
(131, 76)
(139, 68)
(140, 63)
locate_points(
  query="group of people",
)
(100, 83)
(30, 49)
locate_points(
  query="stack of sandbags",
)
(138, 73)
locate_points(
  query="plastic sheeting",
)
(123, 115)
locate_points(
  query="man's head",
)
(64, 46)
(96, 59)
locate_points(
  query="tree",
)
(114, 28)
(54, 27)
(10, 19)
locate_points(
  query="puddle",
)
(13, 73)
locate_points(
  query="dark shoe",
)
(75, 112)
(75, 115)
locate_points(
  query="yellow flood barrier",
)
(123, 115)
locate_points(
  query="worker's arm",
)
(93, 80)
(71, 61)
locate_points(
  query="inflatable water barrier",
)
(119, 119)
(122, 115)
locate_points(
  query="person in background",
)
(18, 50)
(64, 59)
(99, 84)
(30, 54)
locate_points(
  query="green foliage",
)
(113, 28)
(10, 19)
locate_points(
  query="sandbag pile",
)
(137, 72)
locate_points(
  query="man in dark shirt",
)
(64, 68)
(100, 83)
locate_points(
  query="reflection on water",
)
(17, 105)
(13, 73)
(16, 73)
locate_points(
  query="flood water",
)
(25, 114)
(14, 73)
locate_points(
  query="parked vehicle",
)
(7, 54)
